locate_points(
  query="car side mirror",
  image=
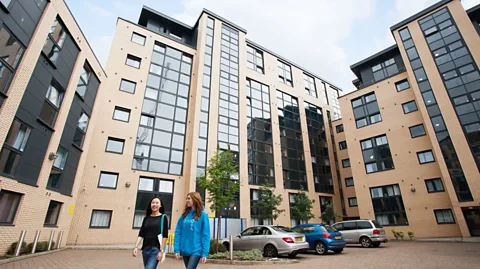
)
(239, 236)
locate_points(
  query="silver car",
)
(272, 240)
(368, 233)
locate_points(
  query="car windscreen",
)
(281, 229)
(329, 229)
(376, 224)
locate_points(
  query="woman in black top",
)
(152, 253)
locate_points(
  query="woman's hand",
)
(160, 255)
(204, 260)
(134, 253)
(177, 256)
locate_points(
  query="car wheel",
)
(270, 251)
(338, 250)
(292, 255)
(227, 246)
(320, 248)
(366, 242)
(376, 244)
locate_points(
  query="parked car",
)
(368, 233)
(321, 238)
(272, 240)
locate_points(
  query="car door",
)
(264, 235)
(241, 243)
(310, 233)
(349, 232)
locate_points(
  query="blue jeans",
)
(191, 262)
(150, 257)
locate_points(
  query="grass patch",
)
(248, 255)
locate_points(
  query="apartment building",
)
(175, 94)
(412, 127)
(49, 81)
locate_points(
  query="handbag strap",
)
(161, 224)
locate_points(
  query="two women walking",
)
(192, 235)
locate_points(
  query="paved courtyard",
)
(392, 255)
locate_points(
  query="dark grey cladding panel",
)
(22, 18)
(32, 9)
(89, 101)
(27, 173)
(42, 73)
(71, 47)
(34, 89)
(1, 100)
(14, 28)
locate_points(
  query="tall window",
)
(55, 40)
(334, 95)
(13, 147)
(149, 188)
(161, 134)
(376, 154)
(366, 110)
(322, 171)
(255, 214)
(388, 205)
(259, 132)
(54, 180)
(285, 73)
(52, 104)
(324, 201)
(324, 93)
(294, 222)
(81, 130)
(83, 81)
(11, 51)
(385, 69)
(310, 87)
(9, 202)
(255, 59)
(293, 159)
(53, 212)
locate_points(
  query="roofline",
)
(419, 14)
(166, 17)
(85, 37)
(211, 13)
(355, 65)
(291, 63)
(473, 9)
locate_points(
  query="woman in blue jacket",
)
(192, 235)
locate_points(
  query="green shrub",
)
(13, 247)
(213, 247)
(395, 234)
(249, 255)
(411, 235)
(41, 246)
(400, 234)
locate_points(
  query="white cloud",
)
(97, 10)
(467, 4)
(308, 34)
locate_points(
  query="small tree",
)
(218, 182)
(302, 210)
(329, 214)
(269, 202)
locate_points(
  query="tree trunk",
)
(218, 231)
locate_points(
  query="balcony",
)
(371, 82)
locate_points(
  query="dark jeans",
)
(150, 257)
(191, 262)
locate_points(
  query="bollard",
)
(51, 240)
(35, 242)
(169, 250)
(59, 239)
(230, 245)
(20, 242)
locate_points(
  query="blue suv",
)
(321, 238)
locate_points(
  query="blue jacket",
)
(192, 237)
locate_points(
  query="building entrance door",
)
(472, 217)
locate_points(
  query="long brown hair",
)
(197, 203)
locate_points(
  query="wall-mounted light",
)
(52, 156)
(413, 189)
(127, 184)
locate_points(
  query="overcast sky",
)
(323, 36)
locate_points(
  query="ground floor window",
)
(149, 188)
(388, 205)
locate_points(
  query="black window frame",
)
(339, 128)
(47, 103)
(349, 163)
(110, 138)
(350, 199)
(133, 58)
(126, 80)
(423, 127)
(346, 182)
(401, 82)
(6, 65)
(425, 151)
(12, 149)
(6, 7)
(409, 102)
(255, 58)
(140, 35)
(367, 115)
(443, 210)
(100, 227)
(394, 199)
(108, 173)
(55, 46)
(432, 180)
(308, 84)
(282, 77)
(376, 153)
(80, 131)
(58, 215)
(342, 145)
(15, 208)
(119, 108)
(81, 80)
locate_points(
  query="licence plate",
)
(298, 239)
(338, 237)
